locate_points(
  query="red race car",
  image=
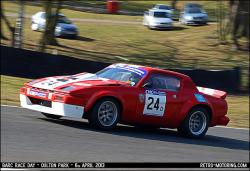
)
(129, 94)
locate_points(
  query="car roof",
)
(158, 10)
(42, 12)
(165, 71)
(162, 5)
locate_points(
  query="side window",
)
(164, 82)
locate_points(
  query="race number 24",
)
(154, 104)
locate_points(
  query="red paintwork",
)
(132, 109)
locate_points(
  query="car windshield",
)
(161, 15)
(194, 10)
(63, 19)
(119, 74)
(164, 7)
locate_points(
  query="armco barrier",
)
(228, 80)
(31, 64)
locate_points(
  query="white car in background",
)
(157, 19)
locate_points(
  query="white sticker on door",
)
(155, 102)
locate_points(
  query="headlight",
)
(188, 17)
(59, 29)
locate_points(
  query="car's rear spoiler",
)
(213, 92)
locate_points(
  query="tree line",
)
(52, 9)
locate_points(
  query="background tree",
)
(18, 34)
(173, 4)
(51, 9)
(222, 23)
(239, 19)
(9, 26)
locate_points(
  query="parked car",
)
(193, 14)
(168, 8)
(155, 18)
(129, 94)
(64, 26)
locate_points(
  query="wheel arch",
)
(206, 107)
(100, 98)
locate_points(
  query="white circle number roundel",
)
(155, 102)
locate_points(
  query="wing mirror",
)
(147, 85)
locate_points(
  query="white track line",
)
(216, 126)
(232, 127)
(12, 169)
(11, 106)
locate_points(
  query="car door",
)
(159, 99)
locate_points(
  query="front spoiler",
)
(56, 108)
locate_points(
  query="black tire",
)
(187, 126)
(98, 116)
(51, 116)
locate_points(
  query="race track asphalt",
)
(28, 136)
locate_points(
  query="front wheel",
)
(105, 114)
(195, 124)
(51, 116)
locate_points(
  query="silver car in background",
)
(64, 27)
(193, 14)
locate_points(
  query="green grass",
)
(238, 106)
(10, 89)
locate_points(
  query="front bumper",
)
(57, 108)
(161, 26)
(195, 21)
(66, 33)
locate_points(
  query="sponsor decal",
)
(131, 68)
(200, 98)
(155, 103)
(39, 94)
(53, 82)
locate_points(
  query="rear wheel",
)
(195, 124)
(51, 116)
(105, 114)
